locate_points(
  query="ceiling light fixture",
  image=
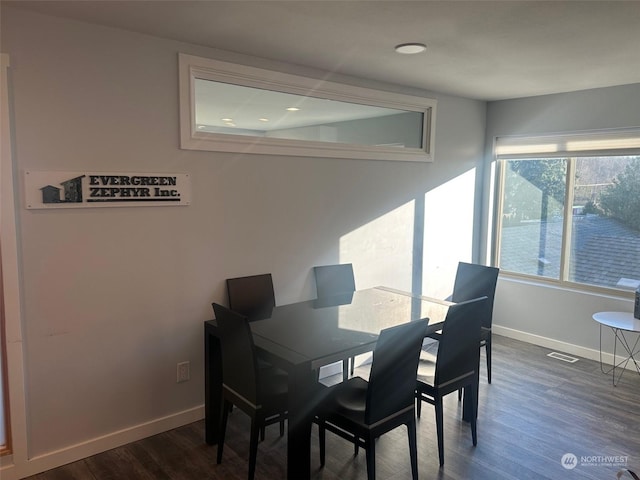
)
(411, 48)
(293, 109)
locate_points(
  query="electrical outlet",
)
(183, 372)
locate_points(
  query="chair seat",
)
(348, 399)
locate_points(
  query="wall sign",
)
(99, 189)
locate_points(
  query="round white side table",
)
(620, 323)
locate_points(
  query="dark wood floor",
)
(536, 410)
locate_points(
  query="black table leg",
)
(301, 408)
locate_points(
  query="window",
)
(569, 208)
(237, 108)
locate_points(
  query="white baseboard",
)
(562, 347)
(97, 445)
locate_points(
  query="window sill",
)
(612, 293)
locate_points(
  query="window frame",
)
(618, 142)
(192, 67)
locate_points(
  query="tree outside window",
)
(601, 238)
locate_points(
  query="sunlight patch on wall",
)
(448, 232)
(382, 250)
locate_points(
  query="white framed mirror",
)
(236, 108)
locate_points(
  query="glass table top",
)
(330, 329)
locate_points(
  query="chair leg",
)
(262, 430)
(253, 448)
(418, 404)
(473, 393)
(321, 438)
(413, 448)
(352, 361)
(226, 406)
(440, 428)
(459, 394)
(487, 348)
(371, 458)
(345, 370)
(282, 417)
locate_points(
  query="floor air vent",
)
(563, 357)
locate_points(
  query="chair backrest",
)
(239, 361)
(332, 280)
(252, 296)
(459, 345)
(474, 281)
(392, 380)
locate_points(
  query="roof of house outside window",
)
(605, 252)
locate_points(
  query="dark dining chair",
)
(334, 281)
(361, 411)
(252, 296)
(259, 392)
(474, 281)
(455, 366)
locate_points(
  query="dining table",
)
(304, 336)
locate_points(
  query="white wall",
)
(537, 312)
(113, 298)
